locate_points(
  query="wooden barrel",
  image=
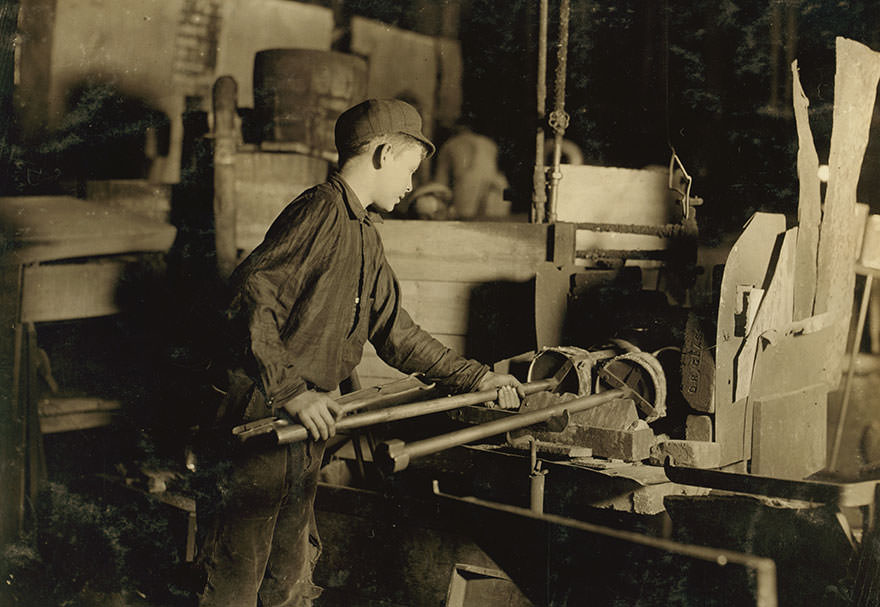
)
(299, 94)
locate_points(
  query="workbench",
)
(61, 258)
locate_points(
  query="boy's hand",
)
(315, 411)
(509, 389)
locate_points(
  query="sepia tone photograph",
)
(462, 303)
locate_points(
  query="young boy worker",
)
(307, 299)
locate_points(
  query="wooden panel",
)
(733, 430)
(42, 228)
(76, 413)
(774, 313)
(438, 306)
(855, 90)
(789, 433)
(614, 195)
(747, 265)
(809, 204)
(791, 362)
(12, 443)
(464, 251)
(70, 290)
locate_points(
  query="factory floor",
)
(859, 445)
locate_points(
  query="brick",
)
(695, 454)
(628, 445)
(699, 427)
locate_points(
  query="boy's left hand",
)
(509, 388)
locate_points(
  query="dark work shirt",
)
(312, 293)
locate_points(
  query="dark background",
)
(709, 77)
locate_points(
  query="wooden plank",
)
(58, 414)
(552, 285)
(614, 195)
(440, 307)
(70, 290)
(774, 313)
(855, 90)
(789, 433)
(43, 228)
(56, 405)
(12, 446)
(464, 251)
(76, 421)
(790, 362)
(747, 265)
(733, 429)
(809, 204)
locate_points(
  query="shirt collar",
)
(352, 202)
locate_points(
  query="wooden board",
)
(855, 90)
(43, 228)
(439, 307)
(552, 285)
(79, 413)
(791, 362)
(12, 444)
(733, 430)
(747, 265)
(774, 313)
(789, 433)
(809, 204)
(457, 251)
(70, 290)
(614, 195)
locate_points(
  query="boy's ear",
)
(380, 155)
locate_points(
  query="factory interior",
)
(662, 219)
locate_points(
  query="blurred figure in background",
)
(467, 164)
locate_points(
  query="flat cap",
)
(374, 117)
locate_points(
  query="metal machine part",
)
(579, 380)
(395, 455)
(642, 374)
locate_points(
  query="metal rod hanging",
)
(559, 119)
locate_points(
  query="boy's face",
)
(395, 178)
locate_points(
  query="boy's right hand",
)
(315, 411)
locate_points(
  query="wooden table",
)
(60, 259)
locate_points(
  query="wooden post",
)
(225, 142)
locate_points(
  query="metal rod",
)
(559, 119)
(847, 390)
(395, 455)
(539, 180)
(668, 230)
(843, 495)
(295, 433)
(395, 393)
